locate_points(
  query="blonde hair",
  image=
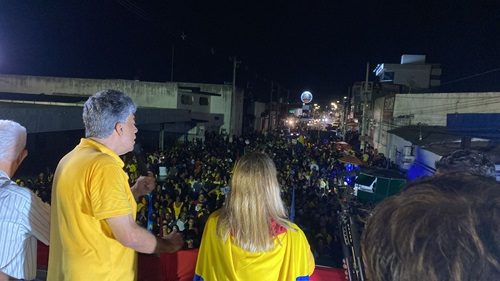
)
(253, 204)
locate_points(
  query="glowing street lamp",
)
(306, 97)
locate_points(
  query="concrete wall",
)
(259, 108)
(376, 131)
(238, 113)
(220, 103)
(145, 94)
(412, 75)
(430, 109)
(396, 151)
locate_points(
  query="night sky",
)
(321, 46)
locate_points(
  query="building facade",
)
(47, 104)
(424, 119)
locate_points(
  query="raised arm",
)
(131, 235)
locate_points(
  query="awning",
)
(364, 179)
(351, 159)
(39, 118)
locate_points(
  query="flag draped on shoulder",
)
(291, 258)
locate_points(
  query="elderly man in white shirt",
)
(24, 217)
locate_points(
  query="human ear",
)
(119, 128)
(20, 158)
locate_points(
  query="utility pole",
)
(364, 95)
(183, 37)
(231, 115)
(270, 106)
(172, 65)
(344, 112)
(278, 98)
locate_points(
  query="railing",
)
(180, 266)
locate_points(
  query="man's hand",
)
(131, 235)
(144, 185)
(172, 243)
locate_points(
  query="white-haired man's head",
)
(12, 140)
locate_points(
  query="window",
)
(203, 101)
(185, 99)
(409, 151)
(387, 76)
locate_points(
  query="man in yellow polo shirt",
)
(93, 233)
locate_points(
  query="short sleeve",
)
(39, 219)
(109, 191)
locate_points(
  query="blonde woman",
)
(250, 238)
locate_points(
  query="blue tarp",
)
(478, 125)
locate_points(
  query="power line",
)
(202, 48)
(445, 97)
(454, 106)
(471, 76)
(129, 5)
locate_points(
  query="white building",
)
(412, 72)
(45, 104)
(404, 125)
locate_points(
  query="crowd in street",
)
(193, 178)
(266, 192)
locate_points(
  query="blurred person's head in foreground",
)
(436, 229)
